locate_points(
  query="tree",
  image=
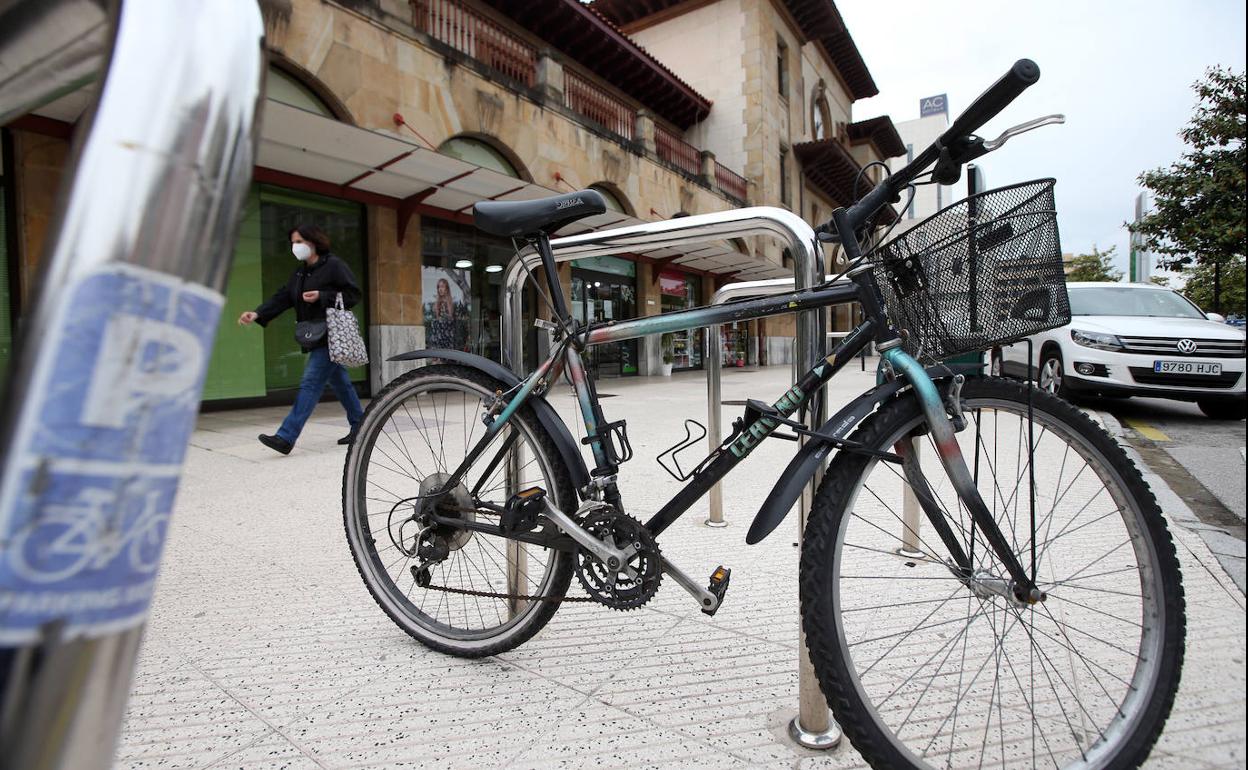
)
(1097, 266)
(1200, 286)
(1198, 216)
(1159, 280)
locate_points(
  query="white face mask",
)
(301, 251)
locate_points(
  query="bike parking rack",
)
(104, 387)
(813, 727)
(711, 354)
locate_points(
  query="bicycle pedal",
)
(520, 512)
(718, 587)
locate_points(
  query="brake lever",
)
(1022, 128)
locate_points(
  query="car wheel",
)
(996, 367)
(1050, 378)
(1223, 408)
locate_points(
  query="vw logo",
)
(1186, 346)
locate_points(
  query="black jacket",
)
(330, 275)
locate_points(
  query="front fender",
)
(813, 454)
(569, 451)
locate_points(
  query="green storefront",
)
(254, 363)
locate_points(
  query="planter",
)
(665, 369)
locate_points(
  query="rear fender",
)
(569, 451)
(813, 454)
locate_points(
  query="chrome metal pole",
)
(714, 371)
(105, 384)
(714, 418)
(511, 336)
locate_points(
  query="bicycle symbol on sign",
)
(73, 538)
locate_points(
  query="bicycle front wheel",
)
(926, 666)
(456, 590)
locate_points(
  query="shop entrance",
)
(605, 289)
(680, 291)
(264, 365)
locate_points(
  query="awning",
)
(310, 151)
(830, 167)
(382, 169)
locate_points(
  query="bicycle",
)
(1041, 619)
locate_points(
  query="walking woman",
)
(313, 286)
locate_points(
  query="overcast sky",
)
(1120, 71)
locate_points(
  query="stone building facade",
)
(385, 121)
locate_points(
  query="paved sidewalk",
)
(265, 649)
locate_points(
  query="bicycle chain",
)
(498, 595)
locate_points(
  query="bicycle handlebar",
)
(1008, 87)
(1022, 75)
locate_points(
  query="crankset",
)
(626, 585)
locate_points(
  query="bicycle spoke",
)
(964, 676)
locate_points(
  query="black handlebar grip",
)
(1024, 73)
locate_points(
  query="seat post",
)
(560, 306)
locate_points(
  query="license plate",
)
(1186, 367)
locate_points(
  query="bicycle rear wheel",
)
(926, 668)
(414, 435)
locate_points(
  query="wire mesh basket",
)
(985, 271)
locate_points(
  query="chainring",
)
(638, 581)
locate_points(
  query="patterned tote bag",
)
(346, 346)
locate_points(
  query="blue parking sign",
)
(88, 492)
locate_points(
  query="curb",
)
(1172, 506)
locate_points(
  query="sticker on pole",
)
(98, 453)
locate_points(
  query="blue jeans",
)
(319, 372)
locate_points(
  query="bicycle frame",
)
(758, 425)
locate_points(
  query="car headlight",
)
(1096, 340)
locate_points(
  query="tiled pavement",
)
(265, 650)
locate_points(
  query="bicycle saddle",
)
(513, 219)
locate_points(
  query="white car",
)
(1134, 339)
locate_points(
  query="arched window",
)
(282, 87)
(479, 153)
(820, 114)
(614, 203)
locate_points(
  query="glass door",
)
(678, 291)
(601, 298)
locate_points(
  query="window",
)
(782, 66)
(478, 153)
(785, 198)
(282, 87)
(610, 198)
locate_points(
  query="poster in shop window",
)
(447, 297)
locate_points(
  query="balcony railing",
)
(492, 44)
(730, 182)
(585, 98)
(474, 35)
(676, 151)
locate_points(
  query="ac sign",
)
(934, 105)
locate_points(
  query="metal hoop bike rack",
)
(813, 727)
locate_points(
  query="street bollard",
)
(105, 383)
(911, 513)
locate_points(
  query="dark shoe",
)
(276, 443)
(347, 439)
